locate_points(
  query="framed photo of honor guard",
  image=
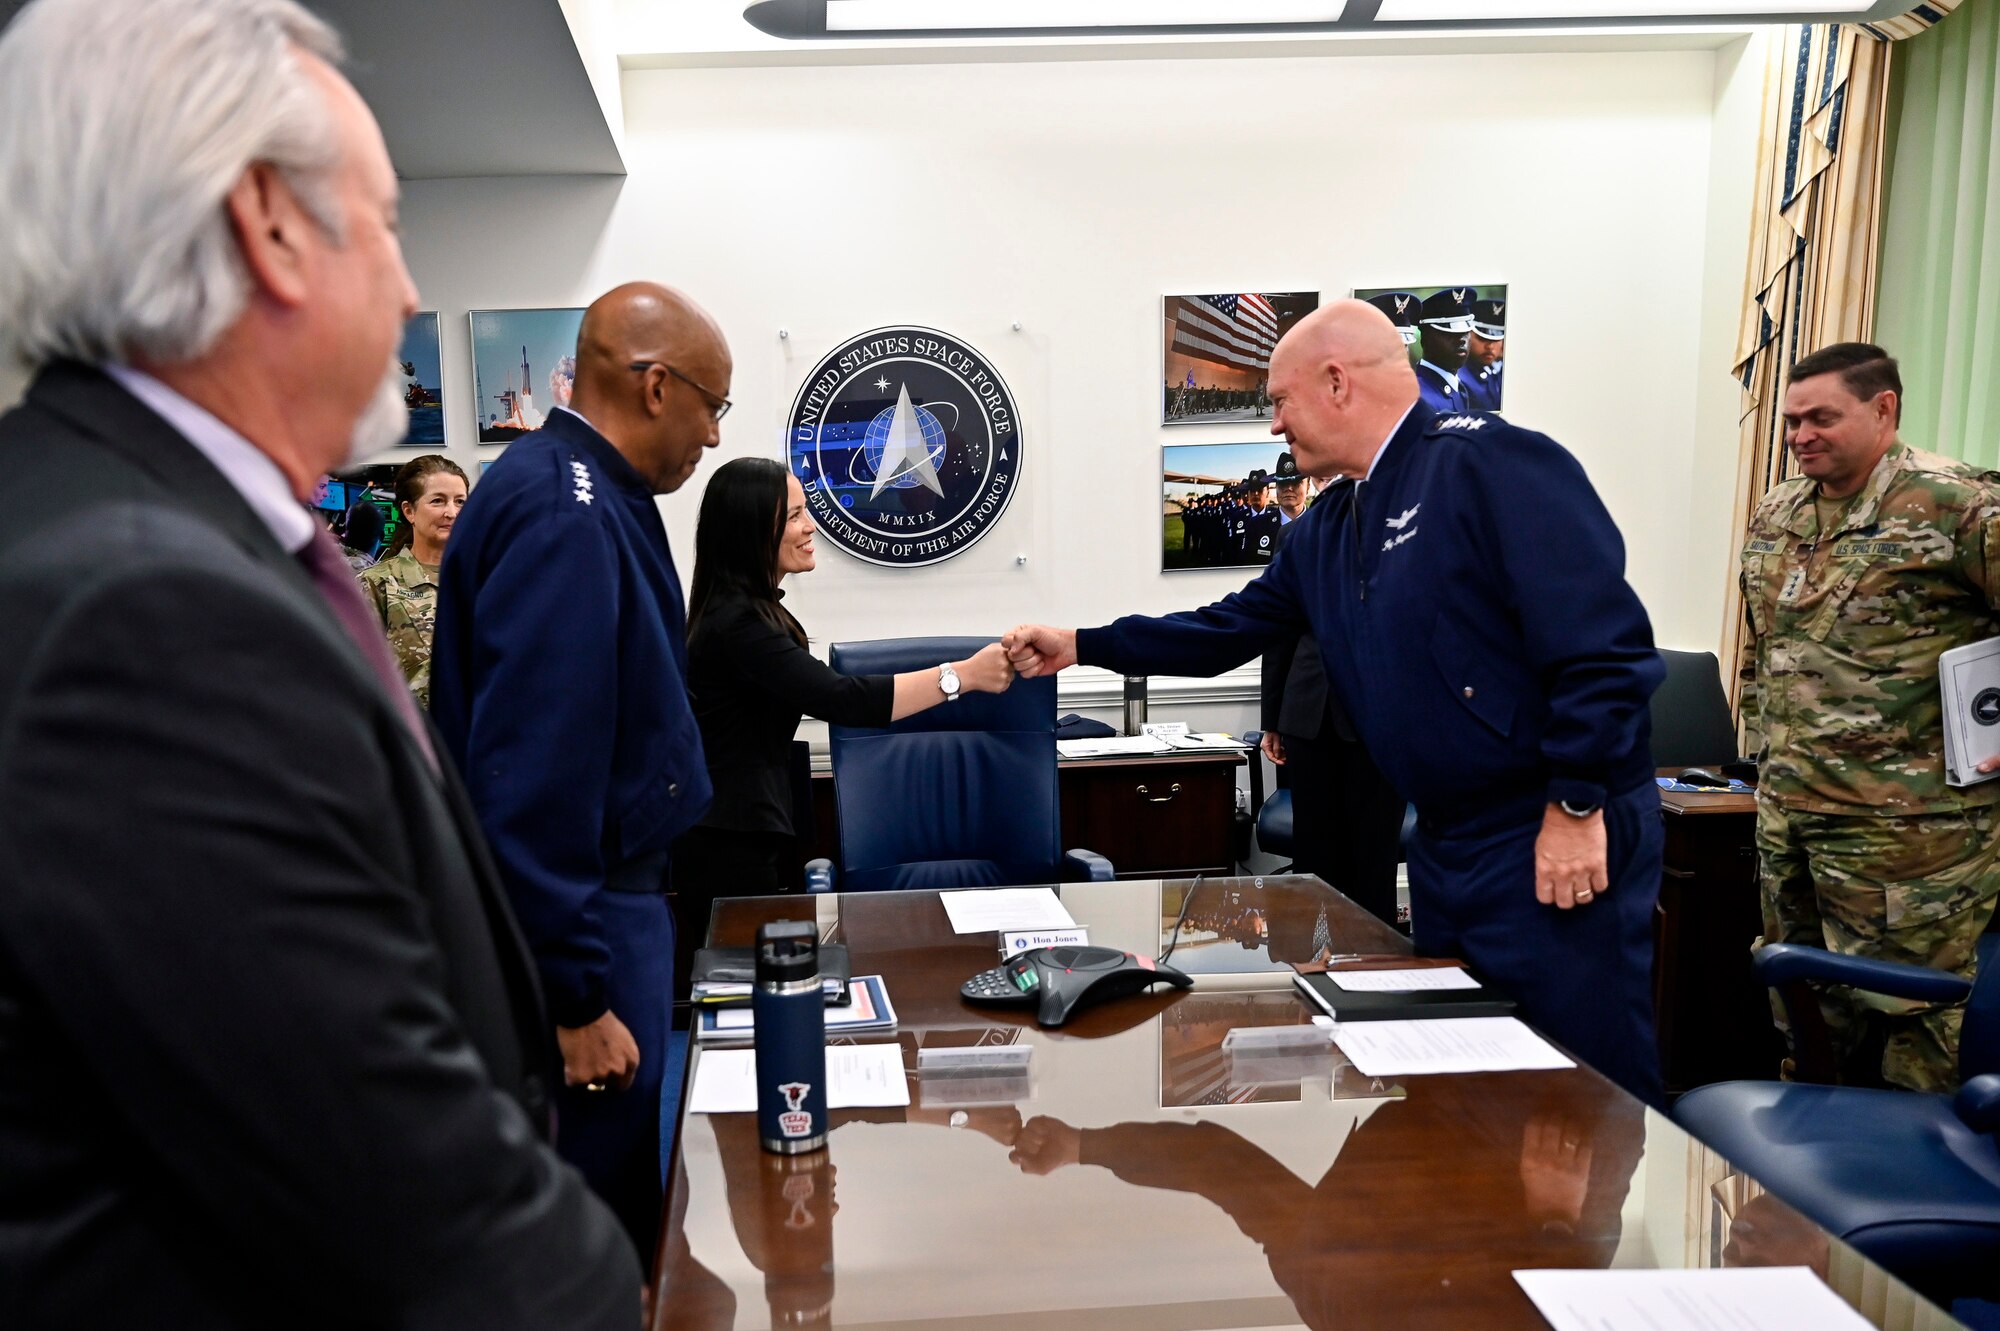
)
(1217, 353)
(1222, 505)
(1457, 339)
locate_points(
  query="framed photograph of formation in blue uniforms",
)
(1457, 336)
(423, 381)
(523, 363)
(1218, 353)
(1225, 505)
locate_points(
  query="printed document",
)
(1751, 1298)
(1445, 1044)
(998, 909)
(1387, 982)
(858, 1076)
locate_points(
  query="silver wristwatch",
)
(948, 682)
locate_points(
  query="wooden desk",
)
(1714, 1018)
(1147, 1177)
(1174, 813)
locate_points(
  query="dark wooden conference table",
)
(1146, 1174)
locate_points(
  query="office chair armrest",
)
(1978, 1103)
(1780, 964)
(1086, 866)
(819, 875)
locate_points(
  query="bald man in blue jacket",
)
(558, 682)
(1467, 590)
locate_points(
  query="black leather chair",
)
(961, 795)
(1692, 723)
(1911, 1180)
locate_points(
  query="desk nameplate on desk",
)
(1014, 942)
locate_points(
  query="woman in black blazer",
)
(753, 679)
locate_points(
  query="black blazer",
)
(271, 1048)
(1294, 694)
(751, 683)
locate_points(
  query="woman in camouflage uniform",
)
(402, 585)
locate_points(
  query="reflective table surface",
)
(1152, 1170)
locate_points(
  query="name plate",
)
(1014, 943)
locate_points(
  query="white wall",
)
(1070, 196)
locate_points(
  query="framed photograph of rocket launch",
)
(1222, 505)
(423, 381)
(1457, 339)
(523, 363)
(1218, 353)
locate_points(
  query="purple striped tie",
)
(330, 573)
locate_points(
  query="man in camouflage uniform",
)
(1856, 576)
(403, 593)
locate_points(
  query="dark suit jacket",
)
(1295, 698)
(271, 1050)
(751, 683)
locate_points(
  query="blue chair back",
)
(1692, 723)
(961, 795)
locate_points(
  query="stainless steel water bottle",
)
(1135, 703)
(788, 1015)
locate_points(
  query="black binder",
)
(1406, 1005)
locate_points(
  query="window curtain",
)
(1814, 225)
(1938, 302)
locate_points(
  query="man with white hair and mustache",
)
(271, 1047)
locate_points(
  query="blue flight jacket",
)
(1471, 607)
(558, 681)
(1441, 395)
(1482, 387)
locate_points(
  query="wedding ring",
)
(596, 1086)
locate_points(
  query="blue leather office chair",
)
(1911, 1180)
(961, 795)
(1275, 824)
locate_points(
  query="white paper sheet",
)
(1445, 1044)
(1422, 977)
(1767, 1298)
(858, 1076)
(999, 909)
(1112, 746)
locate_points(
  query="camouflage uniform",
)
(404, 594)
(1862, 846)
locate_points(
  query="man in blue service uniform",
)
(558, 683)
(1499, 678)
(1442, 329)
(1485, 350)
(1262, 521)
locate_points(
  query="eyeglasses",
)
(717, 403)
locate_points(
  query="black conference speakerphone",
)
(1059, 980)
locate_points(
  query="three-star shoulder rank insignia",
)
(580, 474)
(1462, 423)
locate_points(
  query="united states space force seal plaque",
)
(907, 444)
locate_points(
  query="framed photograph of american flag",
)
(1218, 353)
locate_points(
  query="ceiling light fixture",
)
(1001, 15)
(1485, 11)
